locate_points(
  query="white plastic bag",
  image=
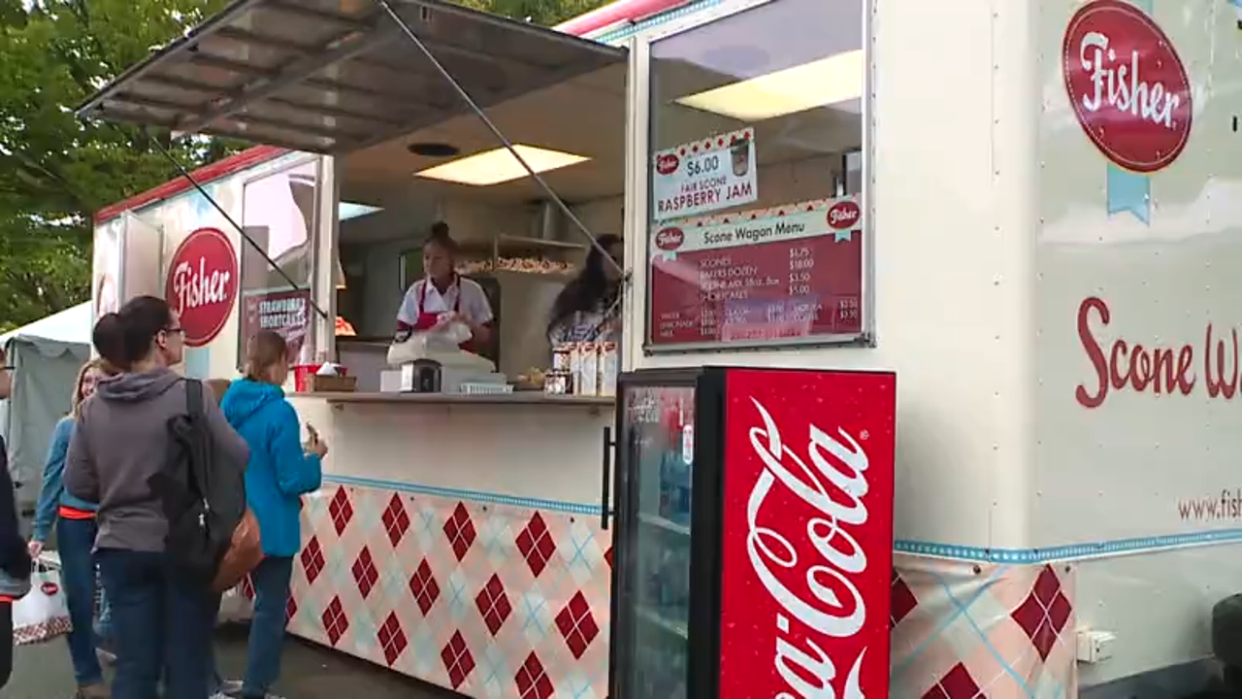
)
(41, 615)
(235, 606)
(429, 344)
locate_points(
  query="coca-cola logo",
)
(49, 588)
(667, 163)
(1128, 86)
(844, 214)
(670, 239)
(835, 494)
(202, 284)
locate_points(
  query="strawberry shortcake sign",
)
(1131, 94)
(202, 284)
(715, 173)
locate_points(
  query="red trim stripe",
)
(208, 173)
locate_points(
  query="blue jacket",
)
(53, 493)
(279, 472)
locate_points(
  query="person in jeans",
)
(162, 621)
(278, 474)
(75, 534)
(14, 558)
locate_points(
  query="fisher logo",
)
(1127, 84)
(202, 284)
(844, 215)
(667, 163)
(49, 588)
(669, 239)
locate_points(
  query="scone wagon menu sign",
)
(202, 284)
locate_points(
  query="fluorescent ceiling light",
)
(819, 83)
(347, 210)
(496, 166)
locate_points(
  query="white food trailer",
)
(1043, 204)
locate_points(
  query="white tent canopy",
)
(47, 355)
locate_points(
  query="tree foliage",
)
(55, 170)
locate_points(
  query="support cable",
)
(508, 145)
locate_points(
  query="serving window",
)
(756, 232)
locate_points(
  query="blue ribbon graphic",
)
(1130, 192)
(842, 236)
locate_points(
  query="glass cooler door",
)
(651, 592)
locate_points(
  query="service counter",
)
(457, 539)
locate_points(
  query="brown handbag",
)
(244, 554)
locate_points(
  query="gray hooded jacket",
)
(121, 440)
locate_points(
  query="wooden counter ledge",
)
(515, 398)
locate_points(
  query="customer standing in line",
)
(75, 535)
(14, 558)
(162, 621)
(278, 474)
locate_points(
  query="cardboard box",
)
(331, 384)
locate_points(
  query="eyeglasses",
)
(174, 331)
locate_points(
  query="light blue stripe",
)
(622, 33)
(1098, 549)
(573, 508)
(198, 363)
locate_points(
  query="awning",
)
(333, 76)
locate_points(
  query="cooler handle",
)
(605, 490)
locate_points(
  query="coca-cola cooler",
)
(753, 542)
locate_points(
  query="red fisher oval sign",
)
(202, 284)
(843, 215)
(1128, 86)
(669, 239)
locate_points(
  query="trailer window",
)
(279, 215)
(756, 229)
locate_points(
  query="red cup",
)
(301, 374)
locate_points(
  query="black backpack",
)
(203, 497)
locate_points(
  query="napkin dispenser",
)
(422, 376)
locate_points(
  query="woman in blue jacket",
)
(75, 533)
(280, 471)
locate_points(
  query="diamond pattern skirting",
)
(963, 630)
(502, 601)
(486, 599)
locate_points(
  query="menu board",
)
(755, 276)
(708, 175)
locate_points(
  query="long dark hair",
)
(125, 337)
(589, 288)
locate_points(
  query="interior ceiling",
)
(586, 116)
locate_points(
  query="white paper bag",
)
(235, 606)
(41, 615)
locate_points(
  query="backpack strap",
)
(194, 398)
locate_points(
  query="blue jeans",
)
(267, 627)
(161, 625)
(75, 539)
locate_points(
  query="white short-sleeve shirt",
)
(474, 305)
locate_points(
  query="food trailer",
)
(1023, 210)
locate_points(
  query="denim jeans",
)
(76, 539)
(161, 625)
(267, 627)
(6, 641)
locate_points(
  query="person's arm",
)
(297, 473)
(407, 314)
(14, 558)
(53, 481)
(226, 438)
(80, 477)
(479, 317)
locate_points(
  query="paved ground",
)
(310, 672)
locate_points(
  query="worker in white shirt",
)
(442, 296)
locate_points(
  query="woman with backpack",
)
(162, 618)
(75, 536)
(280, 471)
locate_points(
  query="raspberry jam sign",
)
(1128, 86)
(202, 284)
(807, 534)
